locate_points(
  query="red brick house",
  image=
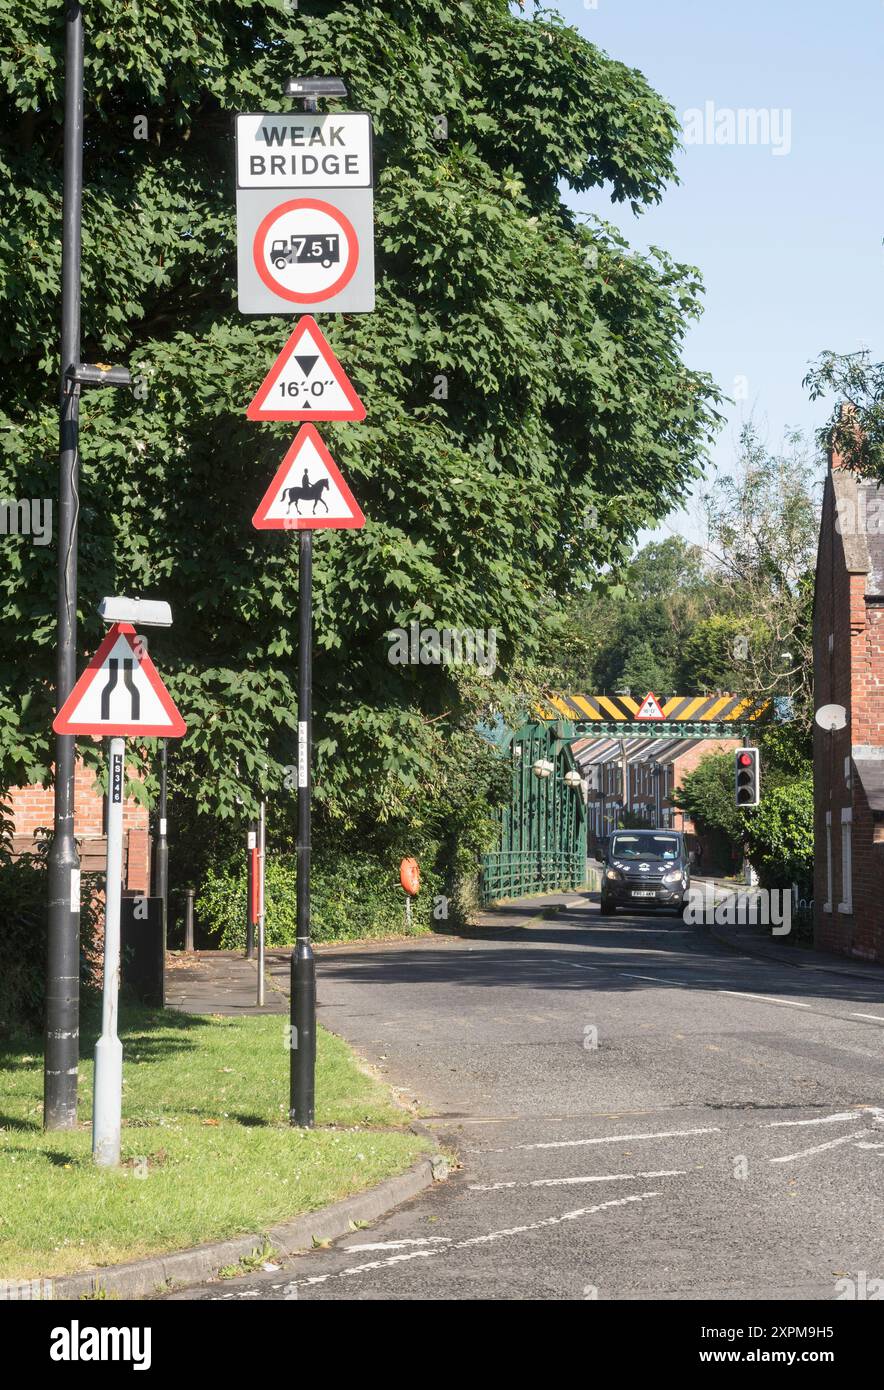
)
(32, 812)
(848, 764)
(655, 769)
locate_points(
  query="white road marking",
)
(486, 1239)
(400, 1244)
(868, 1146)
(565, 1182)
(607, 1139)
(823, 1120)
(656, 979)
(876, 1018)
(764, 998)
(832, 1144)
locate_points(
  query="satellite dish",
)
(831, 717)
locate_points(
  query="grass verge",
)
(207, 1150)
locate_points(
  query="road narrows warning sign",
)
(306, 382)
(120, 694)
(308, 492)
(650, 708)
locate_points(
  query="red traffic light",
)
(745, 760)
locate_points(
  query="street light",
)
(307, 88)
(573, 779)
(141, 612)
(62, 1035)
(543, 768)
(97, 374)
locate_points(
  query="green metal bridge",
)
(544, 829)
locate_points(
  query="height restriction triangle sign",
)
(306, 382)
(308, 491)
(650, 708)
(120, 694)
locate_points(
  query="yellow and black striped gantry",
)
(615, 709)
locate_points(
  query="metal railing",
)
(513, 873)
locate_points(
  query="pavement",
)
(640, 1112)
(218, 982)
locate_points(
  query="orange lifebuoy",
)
(410, 876)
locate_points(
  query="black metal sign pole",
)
(62, 1043)
(303, 980)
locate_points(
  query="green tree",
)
(856, 427)
(630, 633)
(762, 523)
(715, 651)
(707, 796)
(779, 834)
(569, 420)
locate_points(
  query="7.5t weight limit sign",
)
(305, 212)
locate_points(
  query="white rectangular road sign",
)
(305, 250)
(299, 149)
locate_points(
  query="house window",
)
(827, 905)
(846, 904)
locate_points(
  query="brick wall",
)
(848, 645)
(33, 810)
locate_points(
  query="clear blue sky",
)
(789, 246)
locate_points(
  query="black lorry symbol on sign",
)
(113, 677)
(306, 250)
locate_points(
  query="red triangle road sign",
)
(308, 491)
(306, 382)
(650, 708)
(120, 694)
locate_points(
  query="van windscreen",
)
(645, 846)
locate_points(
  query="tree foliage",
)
(707, 796)
(734, 614)
(779, 834)
(569, 422)
(855, 429)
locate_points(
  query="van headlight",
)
(672, 876)
(614, 874)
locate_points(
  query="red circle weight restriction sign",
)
(306, 251)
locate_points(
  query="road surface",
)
(640, 1113)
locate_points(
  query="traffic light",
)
(747, 776)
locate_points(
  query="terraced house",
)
(848, 763)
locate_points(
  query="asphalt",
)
(641, 1112)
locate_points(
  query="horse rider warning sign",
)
(308, 492)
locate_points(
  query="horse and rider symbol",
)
(307, 492)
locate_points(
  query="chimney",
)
(836, 459)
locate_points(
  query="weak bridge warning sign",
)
(303, 150)
(305, 212)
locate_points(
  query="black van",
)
(645, 868)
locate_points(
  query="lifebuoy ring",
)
(410, 876)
